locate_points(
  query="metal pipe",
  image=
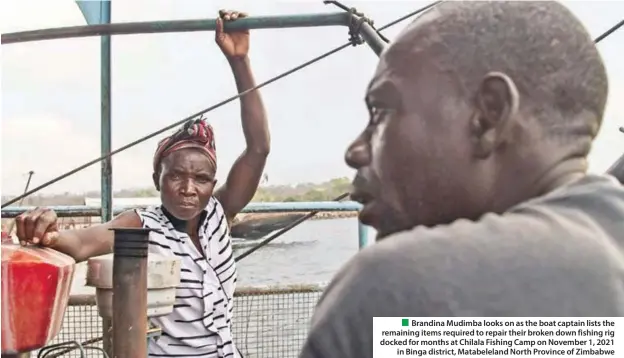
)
(372, 38)
(362, 235)
(302, 206)
(260, 22)
(107, 336)
(277, 207)
(130, 293)
(82, 300)
(106, 180)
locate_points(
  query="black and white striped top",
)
(200, 324)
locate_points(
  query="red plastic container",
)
(36, 283)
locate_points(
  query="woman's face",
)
(186, 182)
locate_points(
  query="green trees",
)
(303, 192)
(268, 193)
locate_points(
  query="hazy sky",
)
(50, 90)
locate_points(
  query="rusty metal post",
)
(107, 336)
(130, 293)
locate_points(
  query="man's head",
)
(475, 107)
(185, 166)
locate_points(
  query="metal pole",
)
(106, 184)
(372, 38)
(362, 235)
(260, 22)
(130, 293)
(86, 211)
(107, 336)
(377, 44)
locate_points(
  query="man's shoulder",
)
(552, 245)
(559, 255)
(576, 217)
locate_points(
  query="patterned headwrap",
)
(195, 133)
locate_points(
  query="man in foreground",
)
(472, 168)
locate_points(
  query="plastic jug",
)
(36, 284)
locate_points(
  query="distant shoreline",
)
(323, 215)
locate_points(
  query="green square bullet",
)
(405, 322)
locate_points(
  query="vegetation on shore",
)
(325, 191)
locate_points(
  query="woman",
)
(192, 222)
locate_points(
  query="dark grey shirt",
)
(561, 254)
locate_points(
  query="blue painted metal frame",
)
(105, 29)
(99, 13)
(249, 23)
(276, 207)
(362, 235)
(106, 180)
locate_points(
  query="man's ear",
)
(497, 103)
(156, 179)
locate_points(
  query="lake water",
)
(310, 253)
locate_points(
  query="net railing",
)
(269, 322)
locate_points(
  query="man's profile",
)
(472, 168)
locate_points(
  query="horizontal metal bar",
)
(278, 290)
(302, 206)
(248, 23)
(85, 211)
(244, 291)
(82, 300)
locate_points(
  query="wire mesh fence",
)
(269, 322)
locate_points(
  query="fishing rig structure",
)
(361, 30)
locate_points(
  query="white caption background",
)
(498, 337)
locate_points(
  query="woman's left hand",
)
(235, 45)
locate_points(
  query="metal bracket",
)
(361, 28)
